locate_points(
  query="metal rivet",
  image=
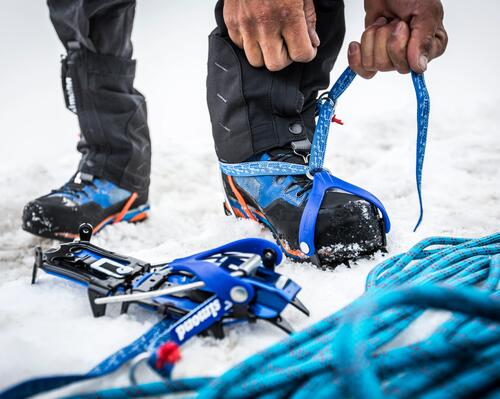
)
(238, 294)
(304, 247)
(295, 128)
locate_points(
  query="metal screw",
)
(238, 294)
(304, 247)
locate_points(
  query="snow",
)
(48, 328)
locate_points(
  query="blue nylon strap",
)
(317, 156)
(341, 85)
(263, 168)
(318, 147)
(109, 365)
(423, 111)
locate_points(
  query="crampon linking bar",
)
(198, 294)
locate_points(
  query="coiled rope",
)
(355, 352)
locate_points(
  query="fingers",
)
(273, 34)
(397, 47)
(298, 42)
(383, 48)
(355, 62)
(274, 52)
(264, 45)
(368, 44)
(253, 52)
(428, 38)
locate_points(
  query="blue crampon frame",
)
(198, 294)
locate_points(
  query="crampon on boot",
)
(314, 215)
(347, 226)
(83, 199)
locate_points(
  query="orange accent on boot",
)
(139, 217)
(117, 217)
(240, 199)
(126, 207)
(294, 252)
(238, 213)
(103, 223)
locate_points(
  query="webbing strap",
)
(423, 111)
(150, 341)
(326, 111)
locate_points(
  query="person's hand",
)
(400, 35)
(273, 33)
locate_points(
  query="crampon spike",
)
(297, 303)
(282, 324)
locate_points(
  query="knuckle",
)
(383, 65)
(302, 55)
(367, 63)
(255, 62)
(275, 65)
(246, 21)
(369, 32)
(232, 23)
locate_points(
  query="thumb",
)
(310, 15)
(428, 40)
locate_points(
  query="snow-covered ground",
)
(48, 328)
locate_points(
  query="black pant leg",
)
(98, 76)
(252, 109)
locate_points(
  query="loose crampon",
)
(233, 283)
(197, 295)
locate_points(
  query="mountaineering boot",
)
(347, 226)
(83, 199)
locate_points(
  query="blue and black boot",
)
(83, 199)
(347, 227)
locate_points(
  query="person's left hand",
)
(400, 35)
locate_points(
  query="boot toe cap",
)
(36, 220)
(348, 227)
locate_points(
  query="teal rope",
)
(349, 353)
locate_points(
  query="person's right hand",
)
(273, 33)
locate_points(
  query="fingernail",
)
(422, 62)
(381, 21)
(399, 28)
(352, 48)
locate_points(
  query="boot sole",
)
(134, 215)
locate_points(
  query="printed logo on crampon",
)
(206, 315)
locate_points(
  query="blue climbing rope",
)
(322, 179)
(355, 352)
